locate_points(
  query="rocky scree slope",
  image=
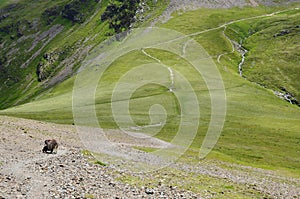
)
(26, 172)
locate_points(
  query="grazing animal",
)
(50, 146)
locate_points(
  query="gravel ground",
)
(26, 172)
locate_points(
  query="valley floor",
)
(26, 172)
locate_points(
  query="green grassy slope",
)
(25, 38)
(260, 129)
(275, 69)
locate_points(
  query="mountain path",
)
(171, 87)
(243, 51)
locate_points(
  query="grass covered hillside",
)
(44, 42)
(260, 129)
(253, 111)
(273, 46)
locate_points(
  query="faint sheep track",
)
(171, 87)
(235, 21)
(229, 23)
(231, 42)
(232, 46)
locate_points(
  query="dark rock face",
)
(282, 33)
(77, 11)
(121, 16)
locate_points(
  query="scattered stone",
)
(282, 33)
(69, 174)
(149, 191)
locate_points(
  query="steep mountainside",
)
(30, 51)
(44, 42)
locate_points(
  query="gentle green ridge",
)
(260, 129)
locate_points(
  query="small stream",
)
(243, 51)
(239, 48)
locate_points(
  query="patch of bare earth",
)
(26, 172)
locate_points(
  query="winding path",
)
(225, 26)
(171, 87)
(232, 46)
